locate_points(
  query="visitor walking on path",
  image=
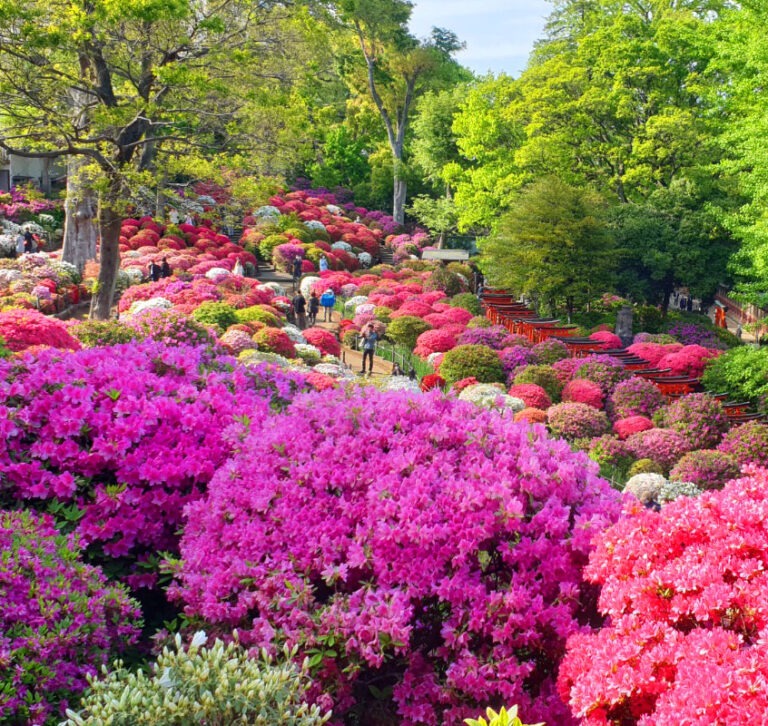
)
(314, 307)
(369, 339)
(323, 263)
(300, 308)
(165, 268)
(155, 271)
(296, 270)
(328, 300)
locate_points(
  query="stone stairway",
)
(387, 257)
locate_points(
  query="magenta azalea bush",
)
(698, 417)
(59, 620)
(127, 434)
(706, 468)
(515, 358)
(664, 446)
(685, 590)
(448, 586)
(635, 397)
(748, 443)
(170, 327)
(496, 337)
(577, 421)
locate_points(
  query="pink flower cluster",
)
(24, 329)
(456, 583)
(686, 591)
(580, 390)
(326, 341)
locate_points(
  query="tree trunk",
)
(109, 223)
(398, 199)
(81, 207)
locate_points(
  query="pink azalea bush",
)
(653, 352)
(577, 421)
(128, 435)
(608, 339)
(664, 446)
(747, 443)
(324, 340)
(706, 468)
(532, 395)
(402, 573)
(685, 590)
(22, 329)
(604, 371)
(698, 417)
(550, 351)
(434, 341)
(59, 620)
(635, 397)
(689, 360)
(626, 427)
(580, 390)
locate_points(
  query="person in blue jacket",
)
(328, 300)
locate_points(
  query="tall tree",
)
(554, 245)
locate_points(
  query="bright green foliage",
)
(502, 718)
(742, 373)
(466, 300)
(406, 329)
(446, 281)
(103, 332)
(466, 361)
(258, 314)
(199, 685)
(554, 244)
(645, 466)
(544, 376)
(218, 314)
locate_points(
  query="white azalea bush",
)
(154, 303)
(308, 354)
(490, 395)
(353, 302)
(217, 272)
(200, 685)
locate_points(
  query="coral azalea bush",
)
(449, 586)
(23, 329)
(685, 590)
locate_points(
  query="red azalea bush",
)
(434, 341)
(625, 427)
(459, 386)
(697, 417)
(608, 339)
(664, 446)
(689, 360)
(128, 435)
(324, 340)
(577, 421)
(424, 578)
(430, 381)
(532, 395)
(706, 468)
(543, 376)
(582, 391)
(23, 329)
(274, 340)
(635, 397)
(685, 590)
(748, 443)
(59, 620)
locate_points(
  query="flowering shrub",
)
(198, 685)
(59, 620)
(502, 718)
(466, 300)
(534, 396)
(706, 468)
(645, 466)
(236, 341)
(653, 352)
(405, 330)
(693, 334)
(566, 368)
(514, 358)
(472, 360)
(323, 339)
(459, 386)
(491, 395)
(698, 418)
(685, 589)
(543, 376)
(128, 434)
(275, 341)
(645, 487)
(580, 390)
(218, 315)
(550, 351)
(609, 451)
(430, 381)
(496, 337)
(577, 421)
(748, 443)
(606, 374)
(260, 314)
(404, 574)
(531, 415)
(688, 361)
(625, 427)
(22, 329)
(608, 339)
(170, 327)
(434, 341)
(664, 446)
(635, 397)
(92, 333)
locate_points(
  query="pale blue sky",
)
(499, 33)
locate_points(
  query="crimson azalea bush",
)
(128, 435)
(59, 620)
(477, 361)
(448, 586)
(748, 443)
(273, 340)
(22, 329)
(532, 395)
(698, 417)
(430, 381)
(626, 427)
(577, 421)
(664, 446)
(685, 590)
(608, 339)
(635, 397)
(706, 468)
(580, 390)
(543, 376)
(326, 341)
